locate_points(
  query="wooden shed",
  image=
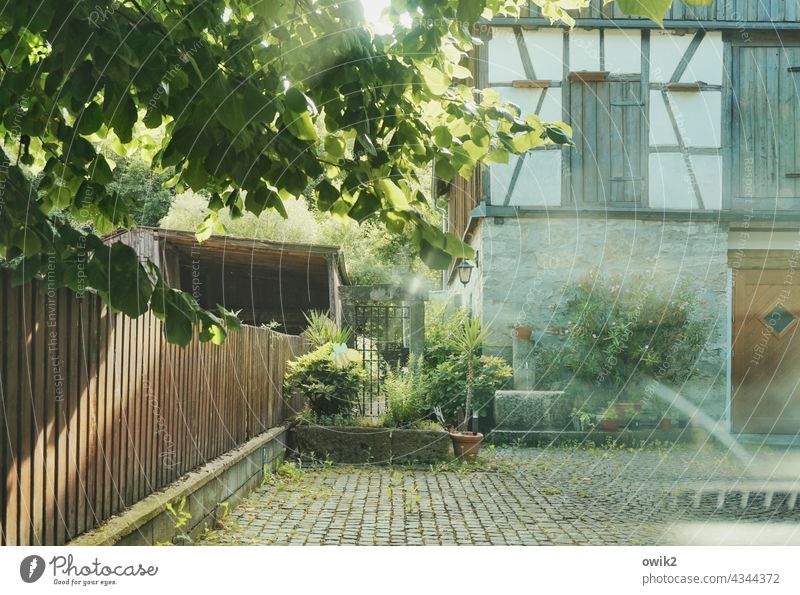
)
(265, 281)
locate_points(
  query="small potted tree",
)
(468, 339)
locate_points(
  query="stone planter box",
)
(527, 410)
(357, 445)
(622, 437)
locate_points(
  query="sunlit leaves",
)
(274, 102)
(391, 193)
(652, 9)
(435, 80)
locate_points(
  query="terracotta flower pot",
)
(523, 332)
(466, 446)
(609, 425)
(665, 424)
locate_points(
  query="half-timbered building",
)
(685, 169)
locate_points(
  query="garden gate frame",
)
(363, 304)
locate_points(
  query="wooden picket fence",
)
(98, 410)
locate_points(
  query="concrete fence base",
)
(208, 492)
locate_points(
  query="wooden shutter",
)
(766, 137)
(607, 164)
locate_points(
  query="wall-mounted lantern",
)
(464, 269)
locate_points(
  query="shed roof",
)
(252, 252)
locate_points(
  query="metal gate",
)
(380, 335)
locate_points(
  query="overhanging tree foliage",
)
(253, 101)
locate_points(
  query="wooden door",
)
(766, 360)
(766, 134)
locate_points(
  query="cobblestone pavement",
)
(515, 497)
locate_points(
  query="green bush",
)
(406, 396)
(332, 387)
(439, 332)
(613, 334)
(446, 370)
(447, 384)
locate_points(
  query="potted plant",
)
(581, 419)
(609, 419)
(628, 411)
(468, 339)
(630, 416)
(523, 332)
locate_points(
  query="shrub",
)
(331, 384)
(406, 396)
(447, 384)
(440, 329)
(446, 369)
(613, 333)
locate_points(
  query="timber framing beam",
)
(646, 24)
(735, 218)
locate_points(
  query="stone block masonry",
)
(527, 410)
(380, 446)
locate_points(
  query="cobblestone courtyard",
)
(523, 497)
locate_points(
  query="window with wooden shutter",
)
(608, 161)
(766, 134)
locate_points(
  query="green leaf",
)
(444, 169)
(392, 194)
(557, 135)
(258, 200)
(470, 10)
(212, 330)
(152, 119)
(209, 226)
(120, 279)
(434, 257)
(652, 9)
(26, 240)
(90, 119)
(299, 102)
(196, 175)
(457, 248)
(300, 125)
(123, 118)
(101, 171)
(436, 80)
(327, 194)
(79, 151)
(496, 156)
(335, 146)
(366, 205)
(177, 312)
(231, 114)
(442, 137)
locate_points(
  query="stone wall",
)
(527, 263)
(378, 446)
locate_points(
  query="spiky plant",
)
(322, 329)
(468, 339)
